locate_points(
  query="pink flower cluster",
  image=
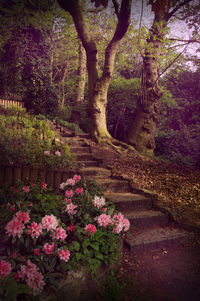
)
(49, 222)
(16, 226)
(48, 249)
(90, 228)
(64, 255)
(5, 268)
(26, 189)
(70, 209)
(70, 182)
(99, 202)
(79, 190)
(104, 220)
(121, 223)
(35, 230)
(69, 193)
(60, 234)
(43, 185)
(33, 278)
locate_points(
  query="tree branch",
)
(170, 14)
(116, 7)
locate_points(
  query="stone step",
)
(73, 142)
(84, 157)
(114, 185)
(83, 135)
(151, 239)
(85, 164)
(95, 172)
(146, 218)
(66, 134)
(80, 149)
(125, 201)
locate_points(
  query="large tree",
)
(98, 84)
(142, 133)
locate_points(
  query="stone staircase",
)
(150, 228)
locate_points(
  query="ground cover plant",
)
(32, 142)
(44, 235)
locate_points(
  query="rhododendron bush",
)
(45, 234)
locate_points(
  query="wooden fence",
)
(8, 103)
(10, 174)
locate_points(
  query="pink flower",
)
(23, 216)
(48, 249)
(12, 208)
(90, 228)
(30, 205)
(63, 185)
(67, 200)
(43, 185)
(35, 230)
(70, 182)
(70, 209)
(99, 202)
(49, 222)
(60, 234)
(57, 153)
(26, 189)
(37, 252)
(77, 178)
(46, 153)
(69, 193)
(104, 209)
(64, 255)
(5, 268)
(14, 255)
(11, 188)
(71, 228)
(15, 227)
(79, 190)
(33, 278)
(120, 223)
(104, 220)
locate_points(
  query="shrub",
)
(53, 234)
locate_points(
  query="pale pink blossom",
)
(46, 153)
(90, 228)
(104, 220)
(57, 153)
(69, 193)
(121, 223)
(49, 222)
(23, 216)
(79, 190)
(64, 255)
(47, 248)
(35, 230)
(63, 185)
(70, 182)
(5, 268)
(99, 202)
(60, 234)
(33, 278)
(26, 189)
(43, 185)
(15, 227)
(70, 209)
(77, 178)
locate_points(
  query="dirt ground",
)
(170, 274)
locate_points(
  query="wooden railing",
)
(10, 174)
(8, 103)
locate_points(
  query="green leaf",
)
(95, 246)
(99, 255)
(76, 246)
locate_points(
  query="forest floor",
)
(175, 188)
(169, 274)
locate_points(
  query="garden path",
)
(161, 259)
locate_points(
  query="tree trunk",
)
(76, 112)
(142, 133)
(98, 86)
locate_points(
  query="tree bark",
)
(98, 86)
(142, 133)
(76, 112)
(146, 116)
